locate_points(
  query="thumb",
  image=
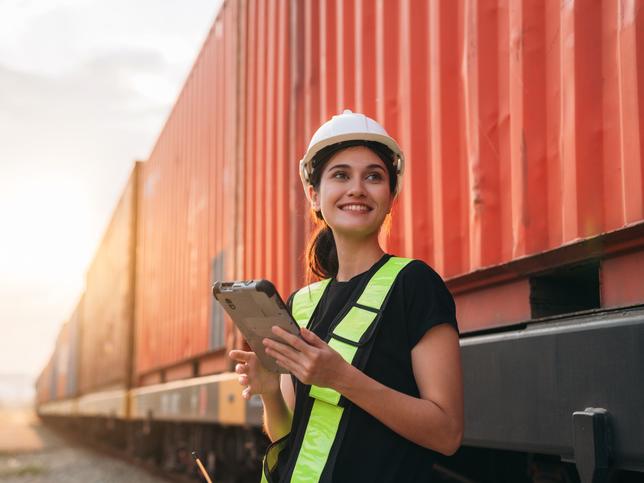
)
(311, 337)
(240, 356)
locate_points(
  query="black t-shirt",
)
(370, 451)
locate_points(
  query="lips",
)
(356, 207)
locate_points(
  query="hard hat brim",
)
(306, 162)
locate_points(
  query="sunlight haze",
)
(85, 88)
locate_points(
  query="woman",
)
(375, 389)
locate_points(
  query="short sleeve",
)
(427, 301)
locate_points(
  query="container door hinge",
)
(591, 444)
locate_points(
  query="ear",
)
(313, 197)
(392, 199)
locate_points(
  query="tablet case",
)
(255, 306)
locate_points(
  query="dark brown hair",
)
(322, 256)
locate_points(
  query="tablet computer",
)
(255, 306)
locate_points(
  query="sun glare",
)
(49, 233)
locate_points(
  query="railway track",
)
(187, 474)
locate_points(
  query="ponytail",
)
(321, 253)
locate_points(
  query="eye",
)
(339, 174)
(375, 176)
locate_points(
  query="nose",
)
(356, 187)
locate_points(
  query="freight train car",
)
(43, 386)
(107, 321)
(99, 347)
(522, 124)
(57, 386)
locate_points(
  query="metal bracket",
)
(591, 444)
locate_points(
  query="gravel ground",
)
(30, 453)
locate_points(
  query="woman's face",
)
(353, 193)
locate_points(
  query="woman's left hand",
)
(309, 358)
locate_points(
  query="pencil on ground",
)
(201, 467)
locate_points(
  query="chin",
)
(354, 226)
(356, 231)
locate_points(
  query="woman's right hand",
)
(253, 375)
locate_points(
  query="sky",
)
(85, 88)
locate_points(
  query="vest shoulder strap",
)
(306, 299)
(348, 337)
(325, 421)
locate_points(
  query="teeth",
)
(355, 208)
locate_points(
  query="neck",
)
(356, 256)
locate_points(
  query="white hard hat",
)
(350, 126)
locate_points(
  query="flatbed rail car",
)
(522, 126)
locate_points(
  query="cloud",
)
(76, 117)
(53, 36)
(66, 148)
(74, 138)
(85, 87)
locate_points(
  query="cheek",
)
(327, 194)
(382, 194)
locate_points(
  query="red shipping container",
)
(66, 355)
(521, 123)
(108, 304)
(44, 384)
(61, 357)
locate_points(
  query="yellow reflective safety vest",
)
(351, 338)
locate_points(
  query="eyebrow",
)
(346, 166)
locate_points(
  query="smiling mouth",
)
(356, 207)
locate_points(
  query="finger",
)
(293, 368)
(284, 366)
(246, 393)
(284, 350)
(287, 361)
(312, 338)
(284, 362)
(241, 356)
(241, 368)
(243, 380)
(290, 339)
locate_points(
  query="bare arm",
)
(278, 409)
(288, 392)
(434, 420)
(276, 392)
